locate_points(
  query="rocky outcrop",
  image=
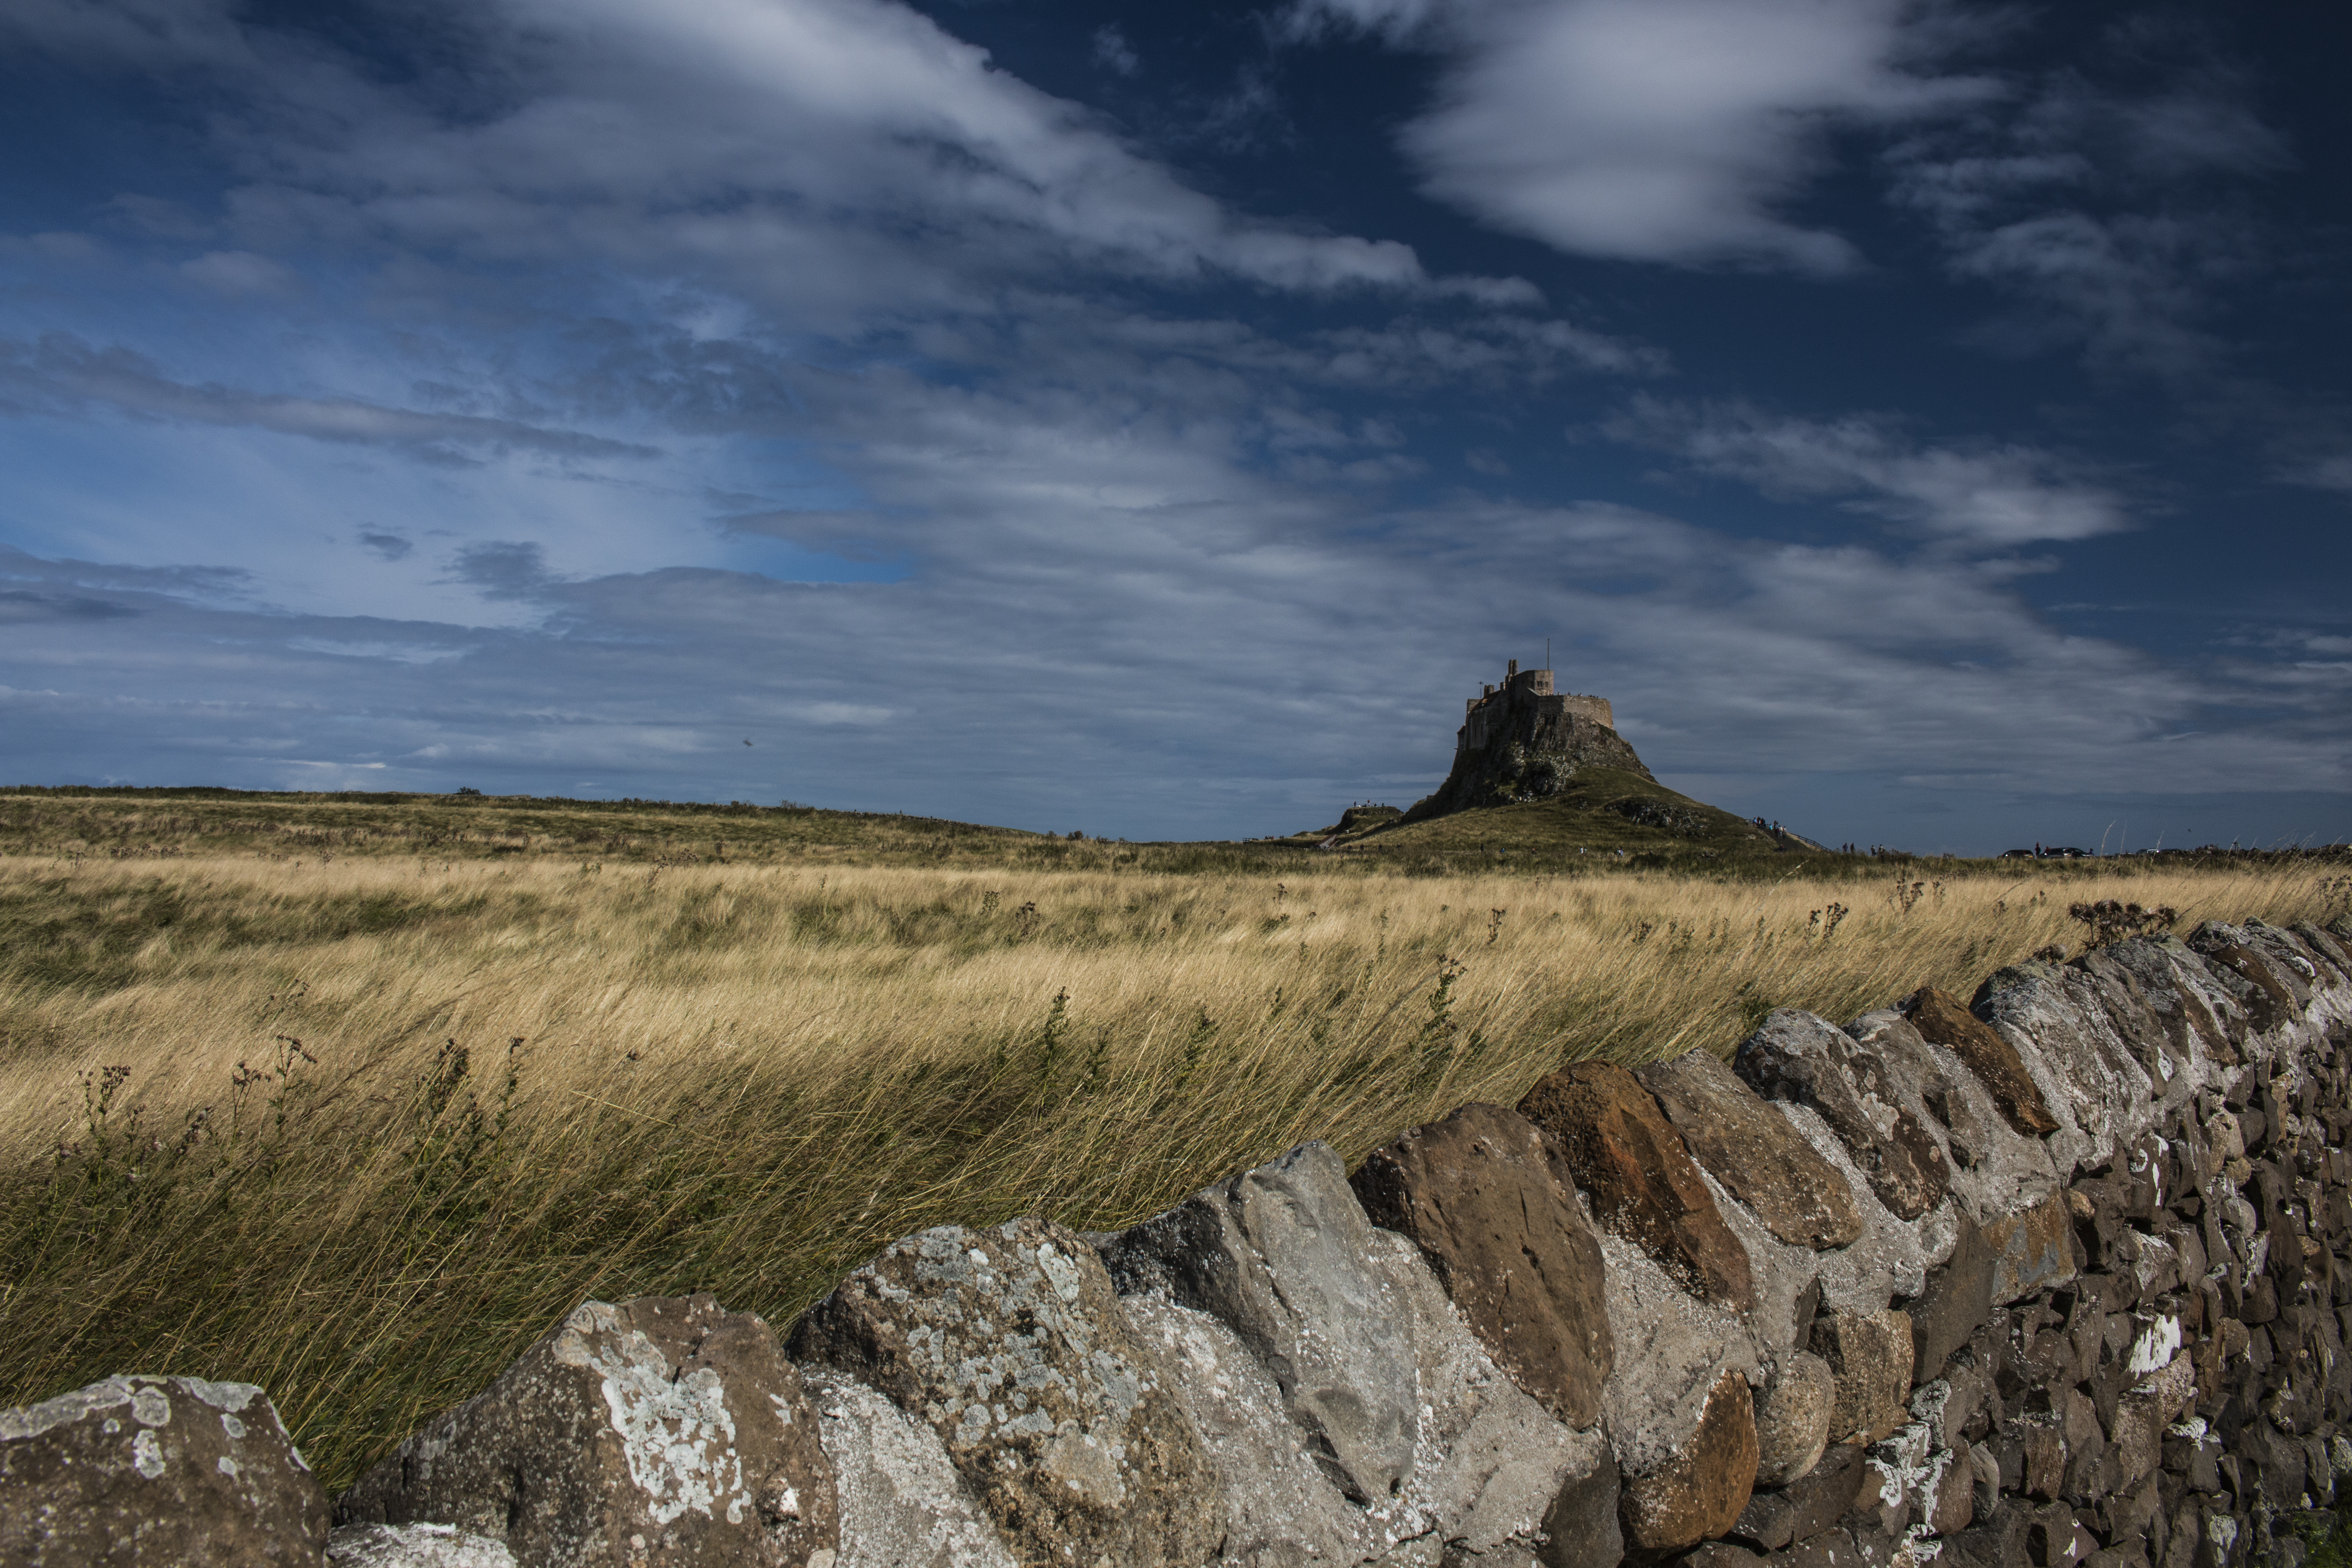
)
(2120, 1341)
(1522, 740)
(665, 1426)
(160, 1470)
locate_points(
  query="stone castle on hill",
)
(1524, 741)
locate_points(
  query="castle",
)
(1483, 712)
(1524, 741)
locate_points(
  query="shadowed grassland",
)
(359, 1128)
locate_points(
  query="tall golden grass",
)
(359, 1130)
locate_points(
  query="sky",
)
(1927, 424)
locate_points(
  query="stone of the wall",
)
(415, 1546)
(1012, 1344)
(1797, 1056)
(664, 1425)
(1276, 1277)
(155, 1470)
(1622, 1153)
(1942, 1019)
(1280, 1254)
(903, 1504)
(1753, 1152)
(1478, 1193)
(1699, 1489)
(1793, 1419)
(1993, 1170)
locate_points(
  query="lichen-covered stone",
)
(2095, 1086)
(665, 1425)
(1287, 1247)
(415, 1546)
(157, 1470)
(1993, 1168)
(1279, 1255)
(903, 1504)
(1797, 1057)
(1621, 1151)
(1699, 1489)
(1012, 1344)
(1478, 1195)
(1753, 1152)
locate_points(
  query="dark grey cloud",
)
(388, 546)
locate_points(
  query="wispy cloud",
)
(1989, 494)
(62, 373)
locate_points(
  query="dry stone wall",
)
(2062, 1274)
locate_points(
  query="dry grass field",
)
(359, 1128)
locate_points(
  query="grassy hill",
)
(1602, 812)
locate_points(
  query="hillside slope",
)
(1598, 811)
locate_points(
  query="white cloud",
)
(813, 155)
(1987, 495)
(1669, 131)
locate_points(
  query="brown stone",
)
(1869, 1356)
(1945, 1020)
(1956, 1299)
(1621, 1150)
(157, 1470)
(1751, 1149)
(666, 1424)
(1012, 1343)
(1703, 1486)
(1478, 1193)
(2031, 1251)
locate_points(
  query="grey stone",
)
(1279, 1255)
(155, 1470)
(1484, 1463)
(1279, 1507)
(2089, 1077)
(1489, 1461)
(415, 1546)
(903, 1505)
(1823, 1495)
(1012, 1345)
(1797, 1056)
(1581, 1529)
(1958, 1299)
(1752, 1151)
(1672, 1352)
(1994, 1169)
(662, 1425)
(1793, 1419)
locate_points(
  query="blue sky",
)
(1927, 422)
